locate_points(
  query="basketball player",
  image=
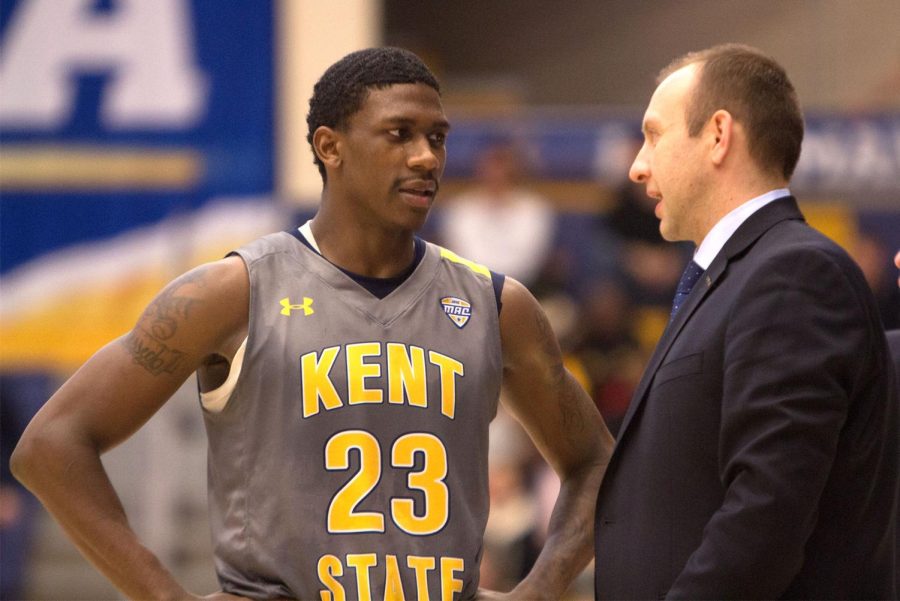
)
(349, 373)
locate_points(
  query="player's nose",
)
(422, 157)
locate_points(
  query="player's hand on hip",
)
(486, 595)
(221, 596)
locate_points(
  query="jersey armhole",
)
(215, 400)
(497, 280)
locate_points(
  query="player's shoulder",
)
(274, 244)
(202, 309)
(516, 292)
(489, 281)
(223, 280)
(519, 306)
(451, 258)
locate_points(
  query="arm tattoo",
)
(160, 323)
(151, 354)
(165, 311)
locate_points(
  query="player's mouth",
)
(418, 193)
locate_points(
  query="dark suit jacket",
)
(893, 338)
(759, 455)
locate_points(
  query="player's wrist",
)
(535, 589)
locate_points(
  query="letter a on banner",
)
(146, 47)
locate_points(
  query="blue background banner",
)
(224, 144)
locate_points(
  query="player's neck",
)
(371, 252)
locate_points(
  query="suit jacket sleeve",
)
(794, 346)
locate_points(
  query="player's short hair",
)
(344, 86)
(756, 91)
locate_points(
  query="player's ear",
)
(326, 143)
(720, 129)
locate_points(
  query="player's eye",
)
(437, 139)
(401, 133)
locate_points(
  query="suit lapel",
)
(741, 241)
(698, 294)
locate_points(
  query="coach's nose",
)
(640, 167)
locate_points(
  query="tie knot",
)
(690, 276)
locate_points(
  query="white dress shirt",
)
(727, 225)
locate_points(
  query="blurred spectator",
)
(651, 266)
(631, 215)
(608, 350)
(510, 537)
(500, 222)
(21, 395)
(623, 298)
(874, 258)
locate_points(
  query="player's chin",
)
(416, 201)
(413, 218)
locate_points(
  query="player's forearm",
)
(69, 479)
(570, 540)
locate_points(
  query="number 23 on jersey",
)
(343, 515)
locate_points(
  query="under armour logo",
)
(287, 307)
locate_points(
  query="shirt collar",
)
(306, 230)
(727, 225)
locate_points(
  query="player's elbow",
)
(24, 459)
(594, 451)
(587, 465)
(36, 454)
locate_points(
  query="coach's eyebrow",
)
(650, 125)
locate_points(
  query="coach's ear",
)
(720, 131)
(326, 143)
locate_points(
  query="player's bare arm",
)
(567, 429)
(196, 318)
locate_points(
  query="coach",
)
(759, 456)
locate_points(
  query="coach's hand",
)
(897, 263)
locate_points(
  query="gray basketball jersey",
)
(350, 461)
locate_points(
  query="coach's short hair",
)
(756, 91)
(343, 88)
